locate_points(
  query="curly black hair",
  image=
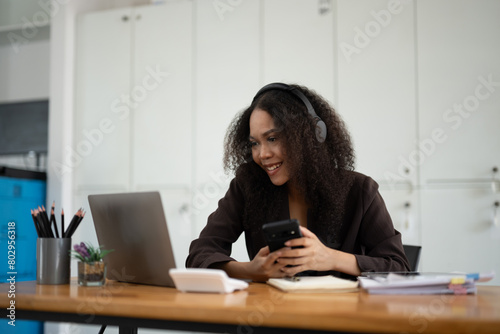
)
(318, 169)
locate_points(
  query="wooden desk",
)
(259, 309)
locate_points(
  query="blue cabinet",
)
(20, 191)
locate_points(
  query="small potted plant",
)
(91, 267)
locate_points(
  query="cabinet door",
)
(24, 67)
(161, 94)
(228, 75)
(376, 90)
(228, 66)
(101, 150)
(461, 232)
(298, 40)
(459, 88)
(17, 197)
(404, 208)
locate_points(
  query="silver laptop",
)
(134, 225)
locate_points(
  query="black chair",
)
(413, 255)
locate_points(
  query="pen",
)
(293, 278)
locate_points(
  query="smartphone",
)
(277, 233)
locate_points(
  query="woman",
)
(293, 158)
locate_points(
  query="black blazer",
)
(368, 230)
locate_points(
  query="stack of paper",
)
(422, 283)
(314, 284)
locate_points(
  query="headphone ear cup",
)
(320, 130)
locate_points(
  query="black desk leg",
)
(127, 330)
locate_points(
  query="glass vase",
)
(91, 273)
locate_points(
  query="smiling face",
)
(267, 147)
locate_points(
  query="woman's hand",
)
(262, 267)
(314, 255)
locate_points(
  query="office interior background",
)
(141, 93)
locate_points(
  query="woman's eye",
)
(272, 139)
(253, 144)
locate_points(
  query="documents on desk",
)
(422, 283)
(319, 284)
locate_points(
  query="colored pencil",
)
(62, 223)
(36, 223)
(45, 226)
(53, 219)
(71, 227)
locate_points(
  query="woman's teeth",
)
(273, 167)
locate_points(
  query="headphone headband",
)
(320, 125)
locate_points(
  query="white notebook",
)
(319, 284)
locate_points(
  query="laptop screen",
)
(134, 225)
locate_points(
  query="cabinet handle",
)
(324, 6)
(495, 213)
(495, 183)
(125, 18)
(407, 215)
(410, 183)
(184, 208)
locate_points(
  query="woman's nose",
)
(265, 152)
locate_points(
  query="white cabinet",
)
(404, 208)
(24, 51)
(162, 91)
(27, 13)
(460, 231)
(228, 74)
(101, 149)
(24, 68)
(459, 88)
(376, 98)
(459, 97)
(133, 124)
(376, 75)
(298, 44)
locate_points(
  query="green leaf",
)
(96, 254)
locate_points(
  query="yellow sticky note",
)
(457, 280)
